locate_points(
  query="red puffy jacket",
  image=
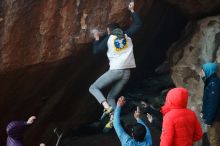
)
(180, 125)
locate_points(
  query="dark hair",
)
(138, 132)
(128, 129)
(113, 26)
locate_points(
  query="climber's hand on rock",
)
(121, 101)
(31, 120)
(96, 35)
(131, 6)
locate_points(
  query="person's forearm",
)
(122, 135)
(136, 25)
(148, 135)
(198, 131)
(136, 18)
(100, 46)
(117, 123)
(141, 122)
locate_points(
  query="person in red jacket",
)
(180, 125)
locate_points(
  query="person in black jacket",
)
(211, 102)
(119, 48)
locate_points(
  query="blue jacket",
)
(124, 138)
(211, 96)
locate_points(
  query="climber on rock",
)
(119, 48)
(180, 125)
(139, 134)
(15, 131)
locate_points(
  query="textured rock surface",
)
(46, 64)
(199, 44)
(40, 31)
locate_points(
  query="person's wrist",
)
(137, 118)
(119, 106)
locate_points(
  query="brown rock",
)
(59, 25)
(200, 44)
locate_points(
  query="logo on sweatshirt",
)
(120, 44)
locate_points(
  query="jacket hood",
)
(209, 69)
(176, 98)
(118, 32)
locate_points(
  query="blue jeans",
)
(117, 78)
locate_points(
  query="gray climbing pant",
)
(117, 78)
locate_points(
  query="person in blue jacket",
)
(140, 134)
(119, 48)
(211, 102)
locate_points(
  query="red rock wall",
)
(38, 31)
(46, 62)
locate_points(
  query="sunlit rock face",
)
(46, 64)
(199, 44)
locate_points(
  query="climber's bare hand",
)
(31, 120)
(96, 35)
(131, 6)
(121, 101)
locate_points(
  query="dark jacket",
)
(101, 45)
(15, 131)
(211, 99)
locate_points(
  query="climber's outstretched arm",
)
(136, 24)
